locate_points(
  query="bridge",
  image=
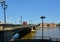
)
(9, 31)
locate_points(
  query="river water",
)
(47, 33)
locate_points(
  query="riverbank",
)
(47, 27)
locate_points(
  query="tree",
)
(58, 24)
(0, 21)
(38, 24)
(48, 24)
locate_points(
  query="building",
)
(25, 23)
(51, 25)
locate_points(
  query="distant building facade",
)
(25, 23)
(48, 25)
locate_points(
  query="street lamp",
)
(4, 6)
(42, 17)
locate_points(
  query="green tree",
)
(48, 24)
(0, 21)
(58, 24)
(38, 24)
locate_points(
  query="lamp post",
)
(4, 6)
(42, 17)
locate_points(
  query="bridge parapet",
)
(11, 26)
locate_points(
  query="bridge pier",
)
(5, 36)
(33, 28)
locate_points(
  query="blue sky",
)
(32, 10)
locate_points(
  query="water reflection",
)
(49, 32)
(29, 35)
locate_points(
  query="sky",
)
(31, 10)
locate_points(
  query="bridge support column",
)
(5, 36)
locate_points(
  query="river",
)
(47, 33)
